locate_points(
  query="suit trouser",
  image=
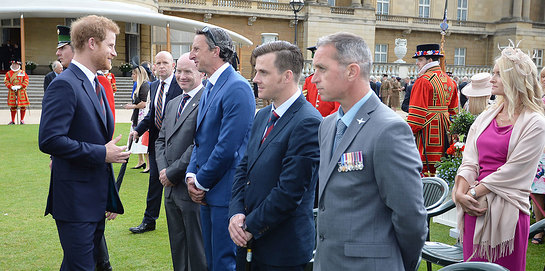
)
(155, 191)
(102, 254)
(218, 246)
(256, 265)
(184, 232)
(80, 243)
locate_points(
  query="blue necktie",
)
(341, 128)
(182, 104)
(204, 98)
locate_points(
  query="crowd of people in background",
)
(240, 186)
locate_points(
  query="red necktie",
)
(272, 120)
(159, 107)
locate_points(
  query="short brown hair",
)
(91, 26)
(288, 56)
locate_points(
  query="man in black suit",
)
(177, 132)
(161, 92)
(57, 69)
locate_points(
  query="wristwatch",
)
(473, 193)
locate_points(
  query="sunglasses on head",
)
(207, 32)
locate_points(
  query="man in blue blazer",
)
(226, 111)
(273, 191)
(76, 129)
(167, 89)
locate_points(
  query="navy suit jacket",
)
(148, 123)
(223, 128)
(74, 130)
(48, 78)
(275, 185)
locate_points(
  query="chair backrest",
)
(435, 191)
(476, 266)
(537, 228)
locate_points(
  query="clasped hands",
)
(237, 230)
(196, 194)
(469, 204)
(164, 179)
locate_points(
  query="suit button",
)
(248, 183)
(169, 144)
(196, 145)
(198, 167)
(322, 237)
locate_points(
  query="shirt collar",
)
(349, 116)
(194, 91)
(167, 81)
(88, 73)
(286, 105)
(216, 75)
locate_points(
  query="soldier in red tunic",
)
(434, 98)
(111, 79)
(16, 81)
(311, 94)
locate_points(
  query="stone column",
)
(356, 3)
(506, 8)
(517, 9)
(526, 10)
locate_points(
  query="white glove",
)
(15, 88)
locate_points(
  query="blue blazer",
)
(223, 128)
(74, 130)
(275, 185)
(148, 123)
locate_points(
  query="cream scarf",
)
(509, 185)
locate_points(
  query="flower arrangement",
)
(30, 66)
(448, 166)
(461, 123)
(125, 67)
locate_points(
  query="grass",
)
(29, 241)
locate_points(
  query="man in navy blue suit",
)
(273, 191)
(76, 129)
(161, 92)
(226, 111)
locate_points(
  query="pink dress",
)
(492, 146)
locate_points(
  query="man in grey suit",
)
(174, 147)
(371, 213)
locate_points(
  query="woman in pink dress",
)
(503, 148)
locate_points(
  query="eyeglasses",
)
(207, 32)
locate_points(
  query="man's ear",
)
(352, 71)
(91, 43)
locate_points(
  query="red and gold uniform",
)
(434, 98)
(311, 94)
(111, 78)
(17, 98)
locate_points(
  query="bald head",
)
(164, 64)
(187, 75)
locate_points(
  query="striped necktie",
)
(99, 95)
(184, 100)
(159, 107)
(272, 120)
(341, 128)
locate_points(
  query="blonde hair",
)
(91, 26)
(476, 105)
(141, 78)
(521, 83)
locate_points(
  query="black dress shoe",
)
(144, 227)
(140, 166)
(106, 266)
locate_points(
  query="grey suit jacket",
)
(370, 219)
(175, 143)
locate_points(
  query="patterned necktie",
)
(272, 120)
(185, 97)
(99, 95)
(341, 128)
(159, 107)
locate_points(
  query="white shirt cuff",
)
(197, 184)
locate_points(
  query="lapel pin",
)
(360, 121)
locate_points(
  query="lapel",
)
(359, 121)
(213, 93)
(91, 93)
(191, 106)
(277, 129)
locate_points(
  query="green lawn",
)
(29, 241)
